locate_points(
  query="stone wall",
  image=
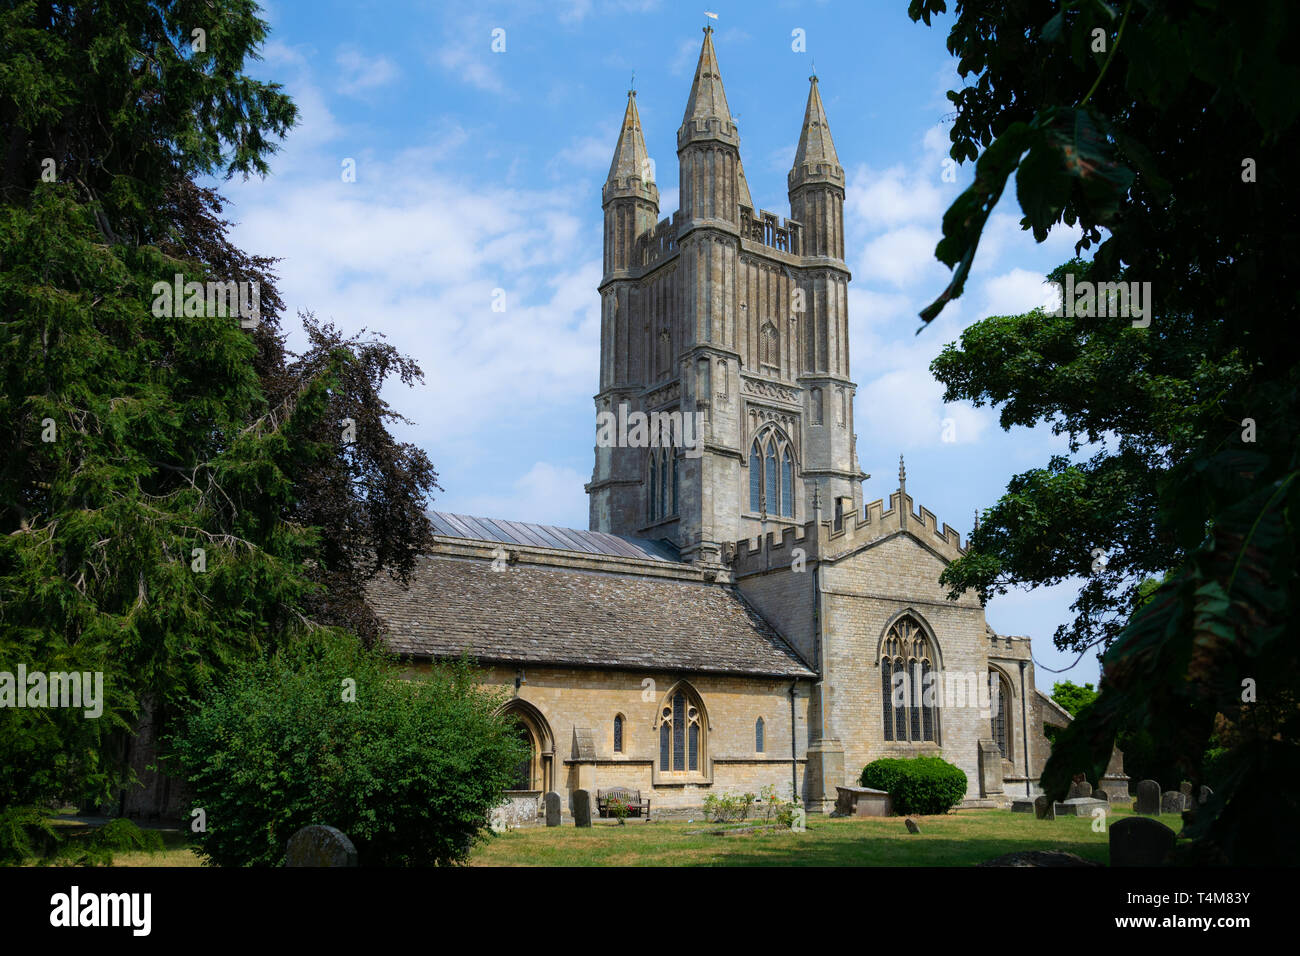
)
(570, 699)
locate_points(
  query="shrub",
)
(728, 808)
(326, 732)
(28, 835)
(924, 785)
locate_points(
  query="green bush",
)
(28, 835)
(923, 785)
(408, 769)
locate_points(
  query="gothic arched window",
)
(681, 737)
(654, 489)
(910, 703)
(758, 736)
(618, 733)
(772, 474)
(1001, 724)
(787, 485)
(665, 502)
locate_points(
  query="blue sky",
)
(479, 170)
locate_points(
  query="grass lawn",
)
(963, 838)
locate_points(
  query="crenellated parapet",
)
(660, 242)
(769, 229)
(825, 540)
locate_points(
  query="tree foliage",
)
(325, 732)
(175, 490)
(1168, 143)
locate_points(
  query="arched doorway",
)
(535, 772)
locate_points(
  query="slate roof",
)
(545, 614)
(548, 536)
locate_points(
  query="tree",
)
(1073, 697)
(1169, 126)
(172, 486)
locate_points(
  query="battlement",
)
(823, 541)
(769, 229)
(660, 242)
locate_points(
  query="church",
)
(735, 617)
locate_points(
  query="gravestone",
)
(1080, 788)
(1172, 801)
(1138, 841)
(582, 808)
(1044, 809)
(552, 809)
(1148, 798)
(911, 826)
(320, 846)
(1185, 788)
(1100, 794)
(1022, 806)
(1206, 793)
(1078, 807)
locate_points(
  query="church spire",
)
(631, 159)
(707, 115)
(707, 100)
(815, 160)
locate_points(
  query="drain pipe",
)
(1024, 722)
(794, 750)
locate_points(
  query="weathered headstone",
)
(1080, 788)
(1138, 841)
(320, 846)
(911, 826)
(1078, 807)
(1185, 788)
(1100, 794)
(1148, 798)
(552, 800)
(1206, 793)
(1173, 801)
(1044, 809)
(1022, 806)
(582, 808)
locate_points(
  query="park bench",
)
(632, 798)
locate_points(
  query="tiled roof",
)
(548, 536)
(544, 614)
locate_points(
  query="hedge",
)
(923, 785)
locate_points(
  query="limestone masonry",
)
(735, 617)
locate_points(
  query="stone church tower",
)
(734, 316)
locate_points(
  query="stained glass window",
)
(758, 735)
(618, 734)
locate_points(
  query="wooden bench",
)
(631, 798)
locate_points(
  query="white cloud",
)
(545, 494)
(361, 73)
(1014, 293)
(472, 63)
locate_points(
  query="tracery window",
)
(909, 703)
(680, 734)
(1001, 730)
(662, 484)
(772, 474)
